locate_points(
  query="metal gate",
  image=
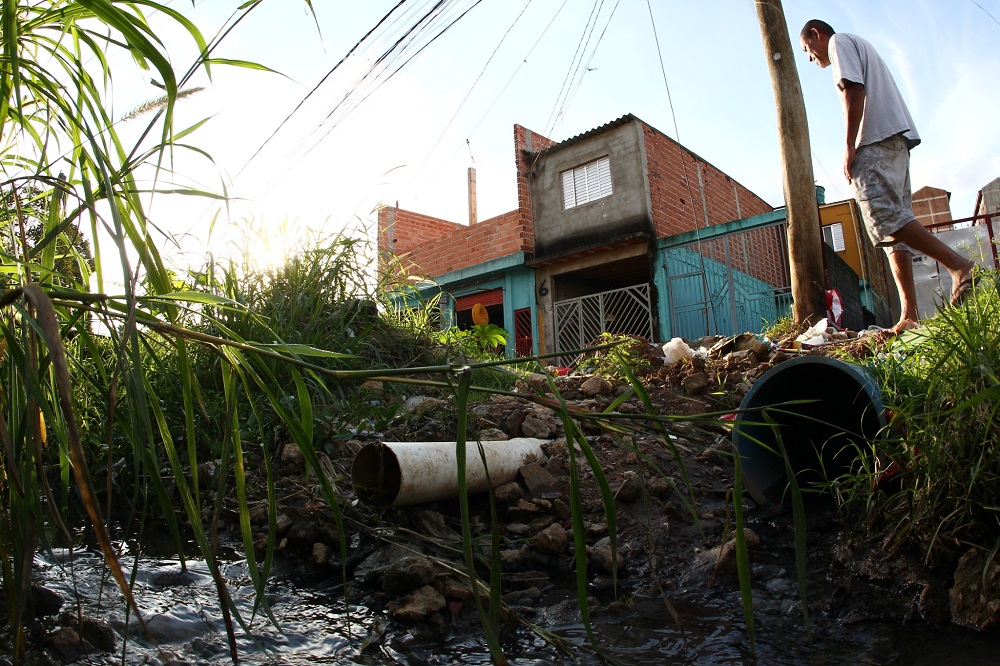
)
(730, 283)
(579, 321)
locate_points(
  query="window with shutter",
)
(833, 235)
(586, 183)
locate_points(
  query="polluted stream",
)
(317, 624)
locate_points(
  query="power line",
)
(588, 29)
(318, 85)
(524, 61)
(471, 88)
(586, 68)
(986, 12)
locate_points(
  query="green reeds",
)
(941, 384)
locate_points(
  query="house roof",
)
(624, 120)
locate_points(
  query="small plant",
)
(628, 350)
(781, 328)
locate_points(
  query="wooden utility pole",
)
(473, 205)
(805, 244)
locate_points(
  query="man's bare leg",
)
(901, 263)
(916, 236)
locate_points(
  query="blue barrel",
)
(844, 412)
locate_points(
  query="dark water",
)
(316, 626)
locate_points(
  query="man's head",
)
(815, 40)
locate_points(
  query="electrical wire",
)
(471, 88)
(586, 68)
(588, 29)
(319, 85)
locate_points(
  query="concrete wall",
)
(623, 214)
(933, 281)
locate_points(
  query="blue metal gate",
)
(737, 280)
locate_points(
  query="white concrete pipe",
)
(405, 473)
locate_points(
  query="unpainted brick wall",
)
(433, 246)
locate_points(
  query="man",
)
(880, 134)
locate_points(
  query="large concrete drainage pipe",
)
(406, 473)
(821, 437)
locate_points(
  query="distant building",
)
(622, 230)
(988, 201)
(932, 206)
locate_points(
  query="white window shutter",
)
(586, 183)
(569, 189)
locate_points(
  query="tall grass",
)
(941, 385)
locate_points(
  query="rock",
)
(562, 509)
(433, 524)
(375, 564)
(417, 606)
(630, 490)
(508, 493)
(97, 633)
(514, 558)
(597, 529)
(595, 386)
(492, 435)
(660, 487)
(321, 553)
(551, 541)
(45, 601)
(522, 597)
(534, 426)
(517, 528)
(975, 596)
(421, 404)
(696, 383)
(720, 562)
(408, 574)
(456, 590)
(600, 557)
(68, 644)
(537, 479)
(512, 424)
(291, 453)
(283, 522)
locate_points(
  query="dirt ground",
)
(671, 494)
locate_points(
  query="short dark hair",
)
(822, 27)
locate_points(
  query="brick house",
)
(619, 229)
(932, 205)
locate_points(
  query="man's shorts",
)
(880, 179)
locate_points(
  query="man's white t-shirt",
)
(855, 60)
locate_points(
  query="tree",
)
(24, 213)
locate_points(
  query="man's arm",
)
(853, 96)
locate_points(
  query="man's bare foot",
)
(962, 288)
(905, 325)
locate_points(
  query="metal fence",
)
(730, 283)
(579, 321)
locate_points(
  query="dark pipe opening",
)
(820, 437)
(376, 475)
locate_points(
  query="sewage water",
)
(316, 625)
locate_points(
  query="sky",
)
(316, 144)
